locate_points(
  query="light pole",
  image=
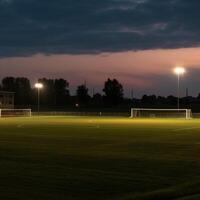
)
(179, 71)
(39, 86)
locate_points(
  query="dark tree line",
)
(56, 94)
(21, 87)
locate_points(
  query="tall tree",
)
(22, 91)
(113, 91)
(47, 95)
(8, 84)
(82, 94)
(61, 91)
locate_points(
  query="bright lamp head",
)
(38, 85)
(179, 70)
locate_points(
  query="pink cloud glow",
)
(131, 68)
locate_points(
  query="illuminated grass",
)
(98, 158)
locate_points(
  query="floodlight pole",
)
(38, 100)
(179, 71)
(178, 92)
(38, 86)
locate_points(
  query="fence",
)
(103, 114)
(55, 113)
(195, 115)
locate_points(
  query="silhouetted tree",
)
(113, 91)
(22, 91)
(82, 94)
(97, 99)
(47, 94)
(151, 99)
(161, 100)
(198, 97)
(61, 91)
(171, 100)
(21, 87)
(8, 84)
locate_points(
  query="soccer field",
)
(91, 158)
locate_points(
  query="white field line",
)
(185, 129)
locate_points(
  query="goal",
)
(15, 112)
(160, 113)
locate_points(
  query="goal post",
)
(160, 113)
(15, 113)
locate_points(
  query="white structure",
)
(6, 100)
(161, 113)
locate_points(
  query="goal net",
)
(15, 112)
(161, 113)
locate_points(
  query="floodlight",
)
(39, 85)
(179, 70)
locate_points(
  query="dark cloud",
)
(94, 26)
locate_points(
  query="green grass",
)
(88, 158)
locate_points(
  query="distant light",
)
(179, 70)
(77, 105)
(39, 85)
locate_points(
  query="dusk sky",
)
(139, 42)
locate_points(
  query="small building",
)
(6, 100)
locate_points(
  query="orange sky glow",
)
(139, 70)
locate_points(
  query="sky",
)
(138, 42)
